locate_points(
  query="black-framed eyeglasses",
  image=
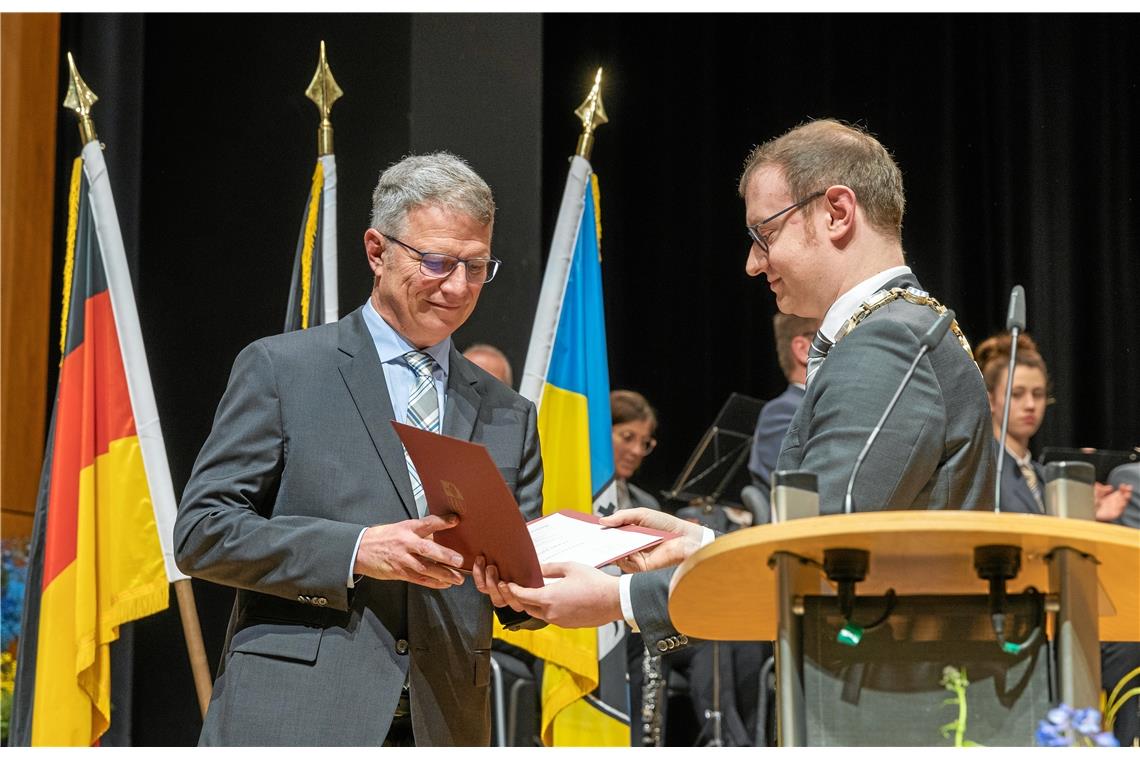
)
(761, 239)
(440, 265)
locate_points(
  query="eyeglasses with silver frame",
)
(441, 265)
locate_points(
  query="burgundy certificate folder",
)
(460, 478)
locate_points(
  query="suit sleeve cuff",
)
(627, 602)
(352, 560)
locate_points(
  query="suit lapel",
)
(462, 406)
(362, 373)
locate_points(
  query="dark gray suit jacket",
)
(934, 452)
(1015, 494)
(771, 427)
(302, 456)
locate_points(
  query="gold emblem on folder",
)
(454, 497)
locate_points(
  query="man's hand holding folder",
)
(585, 596)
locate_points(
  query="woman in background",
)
(634, 425)
(1022, 486)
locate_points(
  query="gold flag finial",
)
(593, 114)
(80, 99)
(323, 91)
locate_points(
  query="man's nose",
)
(757, 261)
(456, 280)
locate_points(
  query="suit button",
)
(662, 646)
(301, 598)
(401, 646)
(320, 601)
(682, 639)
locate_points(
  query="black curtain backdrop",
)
(1014, 134)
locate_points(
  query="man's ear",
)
(840, 204)
(800, 346)
(374, 245)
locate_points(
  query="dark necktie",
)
(820, 345)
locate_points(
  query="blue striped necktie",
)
(423, 412)
(820, 345)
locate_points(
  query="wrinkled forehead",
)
(440, 227)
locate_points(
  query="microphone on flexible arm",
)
(1015, 323)
(927, 343)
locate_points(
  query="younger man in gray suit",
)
(351, 626)
(824, 207)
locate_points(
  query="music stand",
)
(714, 470)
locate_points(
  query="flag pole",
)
(80, 99)
(593, 114)
(324, 91)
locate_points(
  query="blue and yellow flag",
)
(585, 697)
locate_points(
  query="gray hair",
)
(434, 179)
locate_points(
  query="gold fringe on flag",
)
(69, 260)
(597, 195)
(310, 238)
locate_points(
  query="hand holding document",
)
(460, 478)
(570, 536)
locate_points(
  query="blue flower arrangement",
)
(13, 578)
(1065, 726)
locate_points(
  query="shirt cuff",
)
(707, 536)
(352, 561)
(627, 602)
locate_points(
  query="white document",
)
(560, 538)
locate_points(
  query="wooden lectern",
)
(749, 585)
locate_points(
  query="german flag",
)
(101, 540)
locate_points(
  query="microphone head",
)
(937, 330)
(1016, 317)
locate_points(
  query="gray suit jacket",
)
(934, 452)
(302, 456)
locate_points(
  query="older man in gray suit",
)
(351, 626)
(824, 206)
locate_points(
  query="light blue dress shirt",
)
(401, 380)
